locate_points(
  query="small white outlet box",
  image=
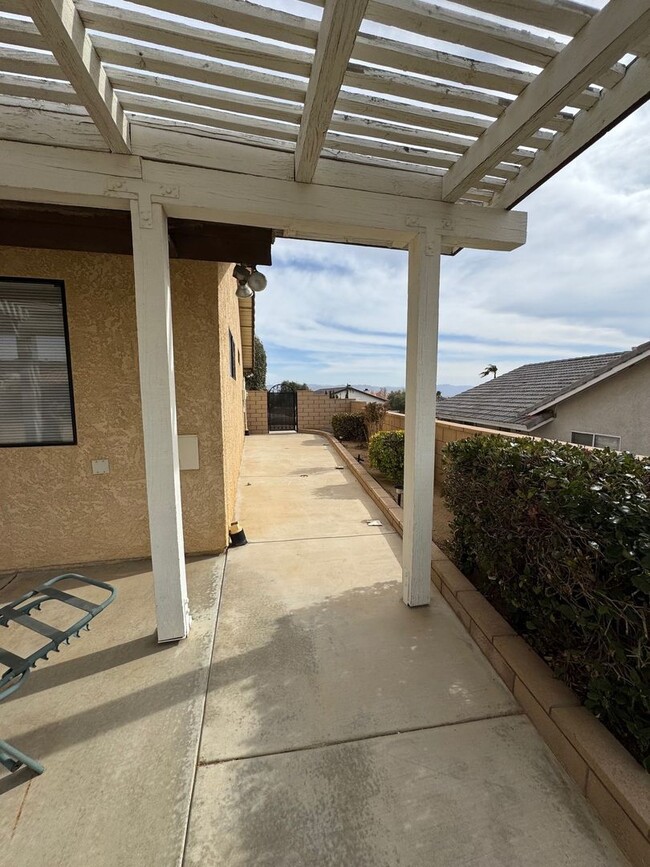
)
(100, 467)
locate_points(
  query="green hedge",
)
(350, 426)
(386, 453)
(559, 538)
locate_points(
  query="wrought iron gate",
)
(283, 409)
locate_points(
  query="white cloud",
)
(581, 284)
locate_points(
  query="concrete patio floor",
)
(342, 728)
(324, 724)
(116, 720)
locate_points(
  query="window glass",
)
(582, 439)
(36, 405)
(607, 442)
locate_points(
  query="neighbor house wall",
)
(618, 406)
(53, 509)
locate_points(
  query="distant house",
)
(597, 400)
(349, 392)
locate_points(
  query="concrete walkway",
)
(342, 728)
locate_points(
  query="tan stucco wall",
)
(231, 394)
(53, 509)
(619, 406)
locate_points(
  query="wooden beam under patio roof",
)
(94, 230)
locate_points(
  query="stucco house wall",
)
(53, 510)
(231, 396)
(618, 406)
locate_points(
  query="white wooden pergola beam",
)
(481, 34)
(153, 308)
(67, 38)
(336, 36)
(245, 17)
(34, 63)
(560, 16)
(32, 88)
(157, 60)
(24, 119)
(187, 37)
(587, 127)
(26, 173)
(420, 419)
(602, 40)
(18, 31)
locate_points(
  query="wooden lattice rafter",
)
(235, 71)
(67, 37)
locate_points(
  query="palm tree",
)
(490, 369)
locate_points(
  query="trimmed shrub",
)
(374, 415)
(350, 426)
(559, 538)
(386, 453)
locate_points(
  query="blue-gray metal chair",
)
(18, 667)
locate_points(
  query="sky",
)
(581, 284)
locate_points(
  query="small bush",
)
(386, 453)
(559, 538)
(350, 426)
(374, 414)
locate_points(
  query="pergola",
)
(319, 128)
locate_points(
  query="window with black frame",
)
(36, 402)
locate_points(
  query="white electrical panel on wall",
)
(188, 451)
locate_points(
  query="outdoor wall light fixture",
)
(249, 280)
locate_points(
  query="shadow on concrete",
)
(90, 664)
(292, 638)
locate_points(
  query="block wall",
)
(315, 411)
(257, 415)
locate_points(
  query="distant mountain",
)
(450, 390)
(446, 389)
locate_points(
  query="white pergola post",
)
(420, 421)
(158, 396)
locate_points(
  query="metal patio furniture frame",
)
(18, 667)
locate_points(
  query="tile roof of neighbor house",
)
(514, 399)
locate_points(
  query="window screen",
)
(601, 441)
(604, 441)
(36, 405)
(582, 439)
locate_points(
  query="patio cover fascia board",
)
(46, 174)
